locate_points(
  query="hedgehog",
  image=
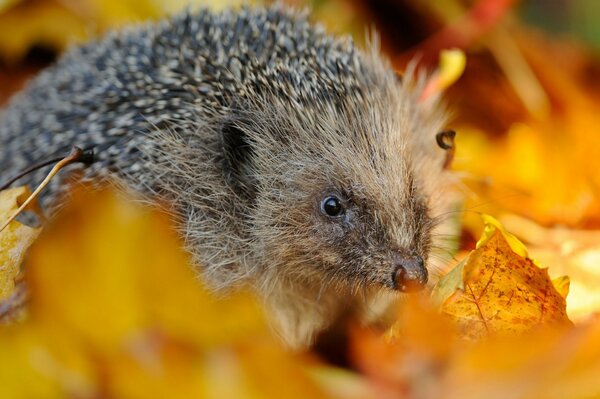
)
(291, 161)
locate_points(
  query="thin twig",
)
(29, 170)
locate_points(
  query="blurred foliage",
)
(428, 361)
(55, 24)
(498, 291)
(116, 312)
(577, 19)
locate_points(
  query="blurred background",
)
(34, 32)
(507, 41)
(526, 109)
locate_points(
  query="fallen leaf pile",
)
(14, 241)
(105, 304)
(501, 331)
(115, 311)
(428, 361)
(497, 291)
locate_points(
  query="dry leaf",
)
(546, 364)
(425, 360)
(117, 311)
(408, 361)
(575, 253)
(14, 241)
(501, 292)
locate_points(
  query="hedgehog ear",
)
(237, 159)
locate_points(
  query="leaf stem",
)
(76, 155)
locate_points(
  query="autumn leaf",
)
(14, 241)
(501, 292)
(573, 252)
(117, 311)
(426, 357)
(411, 357)
(491, 225)
(551, 364)
(451, 67)
(125, 269)
(544, 167)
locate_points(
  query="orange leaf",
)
(14, 241)
(116, 310)
(503, 293)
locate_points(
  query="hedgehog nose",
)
(410, 274)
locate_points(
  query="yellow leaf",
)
(562, 285)
(449, 283)
(428, 361)
(550, 364)
(27, 369)
(116, 310)
(490, 227)
(452, 66)
(14, 240)
(504, 293)
(540, 183)
(125, 263)
(568, 252)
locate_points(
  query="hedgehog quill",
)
(293, 162)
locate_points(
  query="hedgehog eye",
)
(332, 206)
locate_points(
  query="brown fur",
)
(379, 149)
(244, 121)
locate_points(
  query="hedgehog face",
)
(342, 185)
(358, 234)
(351, 229)
(371, 246)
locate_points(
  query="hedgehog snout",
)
(410, 273)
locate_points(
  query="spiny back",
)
(109, 94)
(293, 161)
